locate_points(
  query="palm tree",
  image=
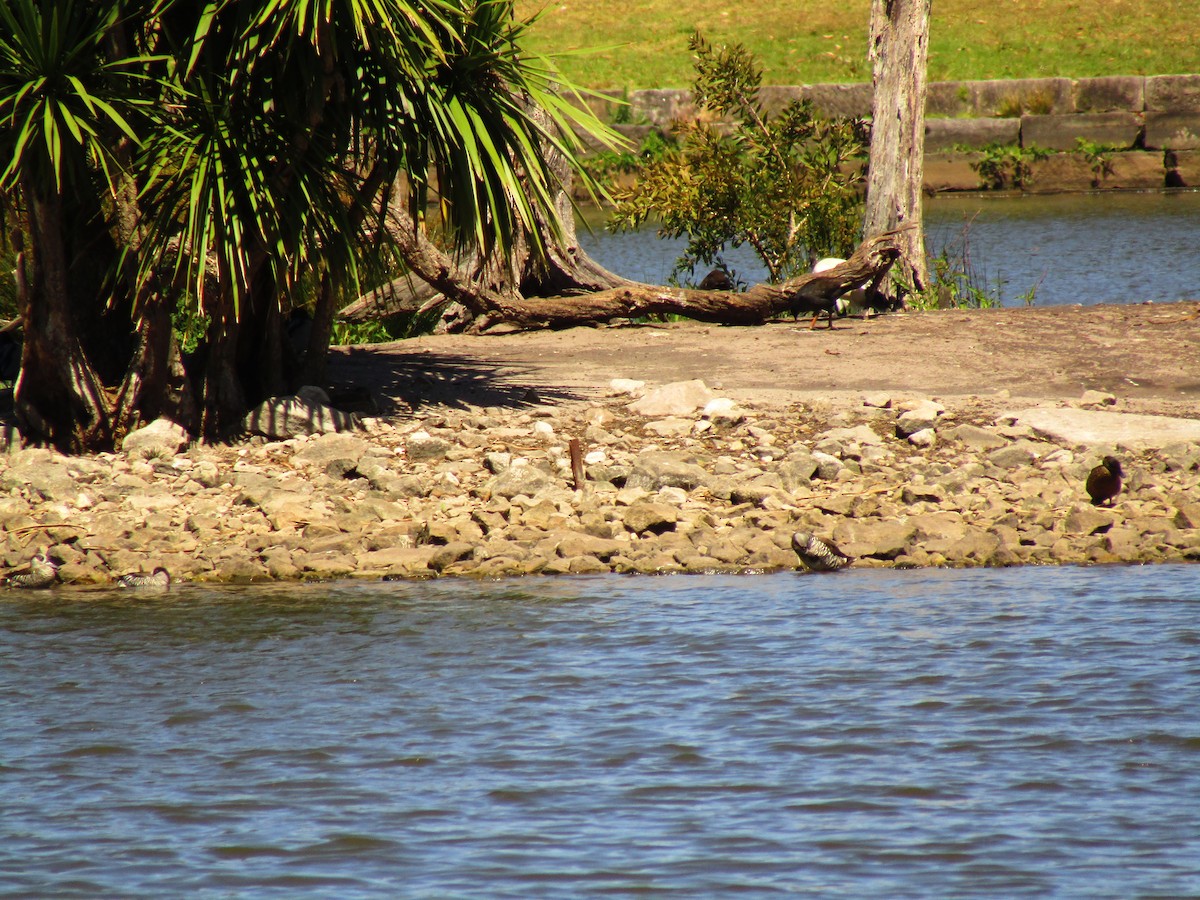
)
(66, 107)
(241, 159)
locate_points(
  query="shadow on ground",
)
(400, 382)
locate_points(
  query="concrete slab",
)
(1092, 428)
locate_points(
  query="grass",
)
(613, 44)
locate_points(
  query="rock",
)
(326, 448)
(669, 427)
(576, 545)
(1187, 514)
(289, 417)
(828, 466)
(1016, 455)
(859, 434)
(874, 537)
(626, 386)
(797, 470)
(445, 556)
(923, 414)
(976, 438)
(662, 469)
(1087, 520)
(643, 516)
(723, 411)
(161, 439)
(422, 447)
(1095, 428)
(523, 479)
(680, 398)
(926, 437)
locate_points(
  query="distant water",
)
(991, 733)
(1068, 248)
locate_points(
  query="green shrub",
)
(783, 185)
(1004, 166)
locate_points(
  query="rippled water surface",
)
(1025, 732)
(1069, 248)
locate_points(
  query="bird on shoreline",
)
(160, 578)
(717, 280)
(817, 554)
(1104, 481)
(42, 573)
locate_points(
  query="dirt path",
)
(1147, 355)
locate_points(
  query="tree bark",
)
(898, 52)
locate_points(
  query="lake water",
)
(1112, 247)
(1002, 733)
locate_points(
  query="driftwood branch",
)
(443, 277)
(808, 293)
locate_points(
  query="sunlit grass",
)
(644, 45)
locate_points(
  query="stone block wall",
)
(1157, 115)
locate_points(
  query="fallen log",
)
(809, 293)
(502, 305)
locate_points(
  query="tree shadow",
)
(390, 382)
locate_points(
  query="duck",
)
(854, 301)
(716, 280)
(819, 554)
(42, 572)
(159, 578)
(1104, 482)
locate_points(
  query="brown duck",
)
(1104, 481)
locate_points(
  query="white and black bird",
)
(42, 573)
(159, 579)
(818, 554)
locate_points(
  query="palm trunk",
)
(58, 397)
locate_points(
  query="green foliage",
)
(780, 185)
(394, 328)
(190, 326)
(346, 333)
(1099, 157)
(1004, 166)
(607, 165)
(232, 152)
(624, 113)
(61, 102)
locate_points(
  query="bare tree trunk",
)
(898, 53)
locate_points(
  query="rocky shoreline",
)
(676, 479)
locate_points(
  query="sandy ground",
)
(1147, 355)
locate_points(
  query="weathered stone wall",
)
(1148, 126)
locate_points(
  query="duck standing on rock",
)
(817, 554)
(42, 573)
(1104, 481)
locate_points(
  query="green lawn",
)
(623, 45)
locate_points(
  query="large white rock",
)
(162, 437)
(1092, 427)
(679, 398)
